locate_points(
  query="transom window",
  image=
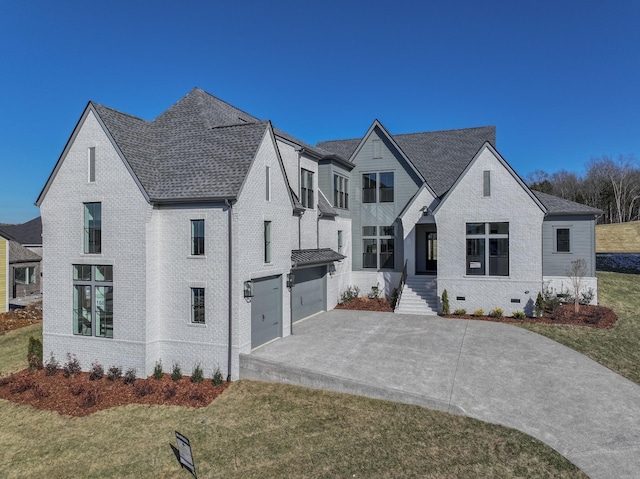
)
(93, 300)
(197, 237)
(563, 240)
(340, 192)
(306, 188)
(197, 305)
(378, 251)
(93, 228)
(378, 187)
(487, 249)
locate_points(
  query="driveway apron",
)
(489, 371)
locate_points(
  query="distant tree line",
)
(612, 185)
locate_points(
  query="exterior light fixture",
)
(290, 280)
(332, 269)
(248, 289)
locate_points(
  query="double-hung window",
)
(93, 300)
(378, 187)
(340, 192)
(306, 188)
(93, 228)
(487, 249)
(197, 237)
(197, 306)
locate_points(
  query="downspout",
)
(230, 289)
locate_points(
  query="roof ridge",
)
(118, 111)
(248, 123)
(226, 103)
(444, 131)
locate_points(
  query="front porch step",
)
(419, 296)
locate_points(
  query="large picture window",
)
(378, 187)
(93, 300)
(340, 192)
(487, 249)
(93, 228)
(378, 251)
(24, 275)
(306, 188)
(197, 237)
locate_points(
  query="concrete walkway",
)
(490, 371)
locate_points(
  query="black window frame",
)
(563, 245)
(198, 237)
(89, 319)
(92, 242)
(306, 189)
(198, 306)
(487, 249)
(340, 191)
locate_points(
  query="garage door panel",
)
(309, 292)
(266, 310)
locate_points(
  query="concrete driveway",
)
(490, 371)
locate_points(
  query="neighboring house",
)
(25, 255)
(207, 232)
(4, 272)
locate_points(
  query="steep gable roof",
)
(29, 233)
(439, 156)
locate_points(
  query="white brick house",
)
(206, 232)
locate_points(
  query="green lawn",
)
(617, 348)
(13, 348)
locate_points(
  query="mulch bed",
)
(19, 318)
(79, 396)
(367, 304)
(590, 316)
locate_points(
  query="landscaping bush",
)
(72, 366)
(51, 367)
(176, 372)
(518, 314)
(34, 353)
(143, 388)
(351, 293)
(21, 385)
(496, 313)
(130, 377)
(114, 373)
(90, 399)
(157, 370)
(478, 312)
(460, 312)
(96, 372)
(76, 388)
(197, 376)
(587, 296)
(445, 302)
(169, 391)
(217, 378)
(39, 392)
(539, 306)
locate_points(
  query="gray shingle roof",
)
(558, 206)
(306, 257)
(199, 148)
(439, 156)
(20, 254)
(29, 233)
(324, 206)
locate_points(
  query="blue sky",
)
(560, 80)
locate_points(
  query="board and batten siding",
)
(326, 170)
(581, 244)
(4, 275)
(405, 184)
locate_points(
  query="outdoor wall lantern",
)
(248, 289)
(290, 280)
(332, 269)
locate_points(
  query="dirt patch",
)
(21, 317)
(79, 396)
(590, 316)
(367, 304)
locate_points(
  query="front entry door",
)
(432, 253)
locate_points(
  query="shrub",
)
(496, 313)
(96, 372)
(539, 306)
(72, 366)
(351, 293)
(169, 391)
(197, 376)
(34, 353)
(518, 314)
(157, 370)
(478, 312)
(374, 293)
(39, 392)
(51, 366)
(76, 388)
(176, 372)
(217, 377)
(114, 373)
(195, 394)
(21, 385)
(130, 377)
(587, 296)
(143, 388)
(90, 399)
(460, 312)
(445, 302)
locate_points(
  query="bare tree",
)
(576, 273)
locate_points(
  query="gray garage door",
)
(309, 292)
(266, 310)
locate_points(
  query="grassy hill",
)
(618, 238)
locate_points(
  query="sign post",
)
(184, 454)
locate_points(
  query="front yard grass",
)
(617, 348)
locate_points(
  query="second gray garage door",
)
(266, 310)
(309, 292)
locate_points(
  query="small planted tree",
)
(539, 306)
(445, 302)
(576, 273)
